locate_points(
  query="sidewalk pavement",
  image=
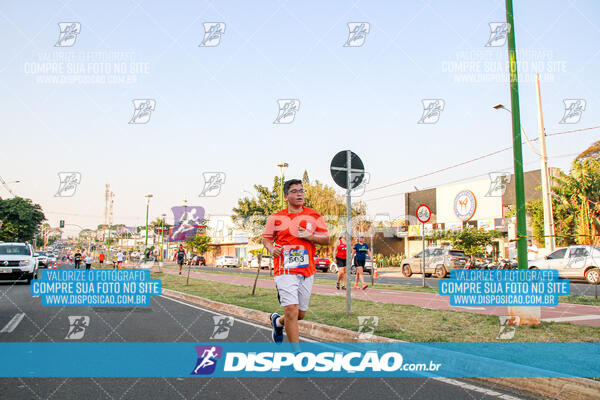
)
(578, 314)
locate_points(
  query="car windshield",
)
(14, 250)
(457, 253)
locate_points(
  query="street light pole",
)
(162, 236)
(549, 240)
(148, 197)
(282, 167)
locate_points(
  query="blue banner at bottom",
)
(221, 359)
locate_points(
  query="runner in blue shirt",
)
(360, 252)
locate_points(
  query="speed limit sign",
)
(423, 213)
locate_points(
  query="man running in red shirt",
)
(290, 236)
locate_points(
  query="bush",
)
(389, 261)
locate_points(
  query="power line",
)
(474, 159)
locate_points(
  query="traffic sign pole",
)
(423, 241)
(423, 215)
(348, 231)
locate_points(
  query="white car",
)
(266, 261)
(576, 262)
(17, 262)
(227, 261)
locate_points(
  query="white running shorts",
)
(294, 289)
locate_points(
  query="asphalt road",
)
(168, 320)
(577, 287)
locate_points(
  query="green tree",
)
(472, 241)
(591, 152)
(22, 217)
(579, 194)
(199, 244)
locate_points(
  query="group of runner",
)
(78, 257)
(290, 236)
(360, 250)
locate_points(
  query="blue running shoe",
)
(277, 331)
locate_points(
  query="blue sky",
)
(215, 106)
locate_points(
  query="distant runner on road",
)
(339, 250)
(77, 259)
(290, 236)
(119, 260)
(360, 252)
(180, 257)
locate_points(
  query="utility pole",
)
(516, 133)
(549, 241)
(148, 197)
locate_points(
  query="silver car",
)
(438, 261)
(575, 262)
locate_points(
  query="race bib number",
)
(296, 258)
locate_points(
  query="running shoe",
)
(337, 285)
(365, 286)
(355, 286)
(277, 334)
(343, 287)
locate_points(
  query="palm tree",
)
(579, 192)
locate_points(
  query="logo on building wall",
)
(465, 205)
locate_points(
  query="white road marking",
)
(574, 318)
(448, 381)
(13, 323)
(237, 319)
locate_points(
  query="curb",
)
(554, 388)
(307, 328)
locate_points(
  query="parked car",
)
(369, 267)
(266, 261)
(193, 259)
(50, 259)
(575, 262)
(439, 261)
(227, 261)
(323, 264)
(17, 262)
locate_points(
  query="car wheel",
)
(592, 275)
(533, 267)
(440, 271)
(406, 271)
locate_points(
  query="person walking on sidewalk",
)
(180, 257)
(290, 236)
(340, 259)
(360, 252)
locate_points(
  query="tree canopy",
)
(21, 219)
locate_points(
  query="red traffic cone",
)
(376, 273)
